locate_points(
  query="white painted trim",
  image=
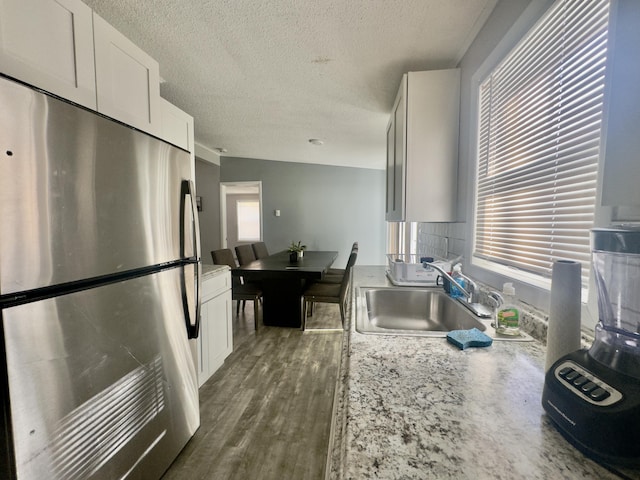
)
(206, 154)
(224, 190)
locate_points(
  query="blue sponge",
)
(469, 338)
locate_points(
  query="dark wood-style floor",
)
(266, 414)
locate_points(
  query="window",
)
(540, 114)
(248, 220)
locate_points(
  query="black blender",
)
(593, 396)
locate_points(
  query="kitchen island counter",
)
(420, 408)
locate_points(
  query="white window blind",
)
(248, 220)
(540, 114)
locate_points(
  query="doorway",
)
(240, 213)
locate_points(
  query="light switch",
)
(276, 213)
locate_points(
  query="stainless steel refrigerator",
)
(99, 285)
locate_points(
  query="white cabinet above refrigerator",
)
(50, 45)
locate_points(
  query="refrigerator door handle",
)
(193, 328)
(187, 191)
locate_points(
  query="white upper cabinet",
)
(127, 79)
(396, 156)
(64, 48)
(49, 44)
(621, 163)
(422, 148)
(177, 126)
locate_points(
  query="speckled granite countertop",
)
(420, 408)
(209, 271)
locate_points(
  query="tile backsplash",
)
(445, 240)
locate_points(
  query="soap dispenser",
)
(454, 291)
(508, 316)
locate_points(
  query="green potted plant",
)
(296, 251)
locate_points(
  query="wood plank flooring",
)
(266, 414)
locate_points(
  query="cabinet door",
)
(127, 79)
(215, 342)
(422, 149)
(203, 350)
(620, 151)
(433, 100)
(49, 44)
(396, 147)
(390, 177)
(177, 126)
(221, 335)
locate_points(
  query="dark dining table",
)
(283, 282)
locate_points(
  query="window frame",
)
(531, 292)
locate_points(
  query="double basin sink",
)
(418, 312)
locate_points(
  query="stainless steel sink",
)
(416, 311)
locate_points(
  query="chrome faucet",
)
(472, 288)
(452, 280)
(495, 299)
(478, 309)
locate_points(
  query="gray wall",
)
(504, 15)
(208, 187)
(326, 207)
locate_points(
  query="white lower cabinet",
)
(215, 341)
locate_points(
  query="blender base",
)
(596, 408)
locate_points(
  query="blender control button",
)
(599, 394)
(571, 376)
(580, 381)
(563, 372)
(587, 387)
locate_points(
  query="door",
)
(127, 79)
(107, 388)
(82, 196)
(241, 213)
(396, 157)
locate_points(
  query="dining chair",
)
(260, 250)
(340, 271)
(327, 293)
(245, 254)
(239, 290)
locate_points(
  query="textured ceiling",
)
(261, 78)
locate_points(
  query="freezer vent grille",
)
(86, 439)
